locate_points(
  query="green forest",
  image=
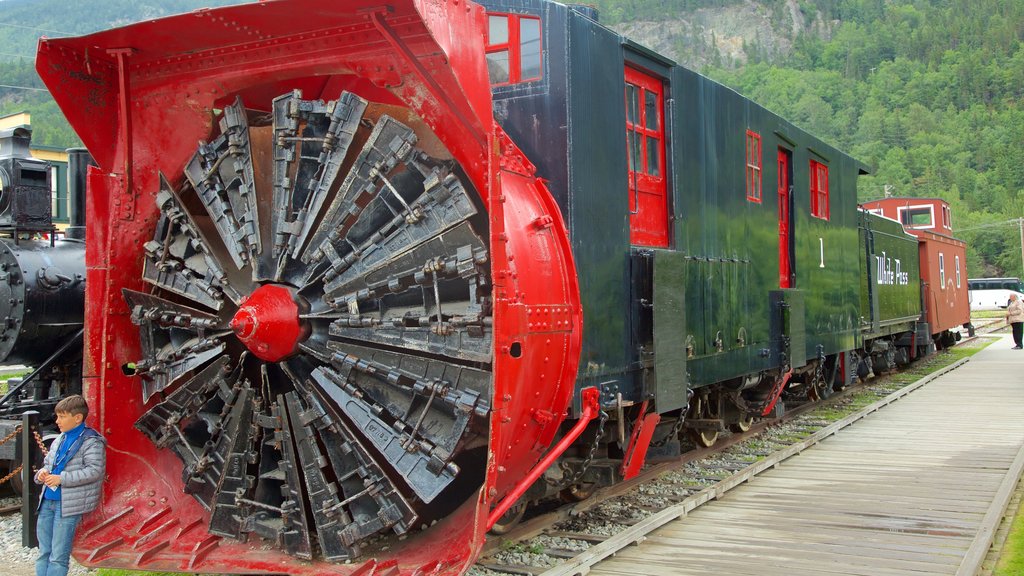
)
(927, 93)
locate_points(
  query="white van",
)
(993, 293)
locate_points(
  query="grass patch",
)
(988, 314)
(3, 379)
(1011, 558)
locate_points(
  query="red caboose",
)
(943, 262)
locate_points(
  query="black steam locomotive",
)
(42, 287)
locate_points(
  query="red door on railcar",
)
(645, 140)
(785, 220)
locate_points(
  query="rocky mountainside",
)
(729, 36)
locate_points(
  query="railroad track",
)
(570, 539)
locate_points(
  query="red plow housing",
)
(333, 334)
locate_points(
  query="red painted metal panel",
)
(425, 55)
(947, 304)
(639, 443)
(645, 142)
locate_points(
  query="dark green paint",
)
(669, 330)
(888, 306)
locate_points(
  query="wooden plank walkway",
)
(917, 488)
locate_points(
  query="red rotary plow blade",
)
(332, 316)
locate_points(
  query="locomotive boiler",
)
(431, 260)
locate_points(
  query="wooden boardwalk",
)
(915, 489)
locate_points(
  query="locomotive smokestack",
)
(14, 142)
(79, 161)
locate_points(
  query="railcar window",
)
(643, 128)
(753, 167)
(920, 217)
(513, 49)
(942, 271)
(945, 217)
(529, 48)
(497, 29)
(819, 190)
(957, 261)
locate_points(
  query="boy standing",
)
(73, 473)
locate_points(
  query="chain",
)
(13, 473)
(8, 438)
(818, 383)
(678, 426)
(39, 442)
(593, 450)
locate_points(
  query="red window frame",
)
(513, 45)
(645, 149)
(819, 190)
(753, 167)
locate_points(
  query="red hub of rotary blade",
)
(268, 322)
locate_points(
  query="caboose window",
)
(916, 217)
(819, 190)
(956, 260)
(753, 167)
(942, 271)
(945, 217)
(513, 48)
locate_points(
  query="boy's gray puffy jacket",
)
(81, 481)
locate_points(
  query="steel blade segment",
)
(167, 314)
(311, 141)
(164, 422)
(179, 258)
(201, 478)
(235, 449)
(461, 329)
(374, 503)
(443, 205)
(389, 144)
(242, 187)
(286, 128)
(421, 269)
(165, 362)
(286, 524)
(345, 115)
(425, 474)
(206, 171)
(329, 514)
(434, 399)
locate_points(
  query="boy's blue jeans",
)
(55, 535)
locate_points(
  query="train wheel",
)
(510, 520)
(743, 425)
(701, 410)
(704, 438)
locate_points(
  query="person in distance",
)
(1015, 318)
